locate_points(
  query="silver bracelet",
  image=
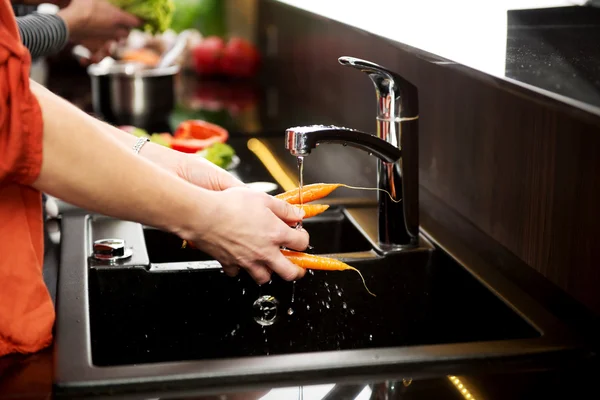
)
(139, 143)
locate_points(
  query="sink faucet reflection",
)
(395, 145)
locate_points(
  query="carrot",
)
(310, 192)
(317, 191)
(187, 243)
(144, 56)
(310, 261)
(311, 210)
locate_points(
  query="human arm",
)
(42, 34)
(91, 169)
(192, 168)
(92, 23)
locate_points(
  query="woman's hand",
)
(238, 226)
(201, 172)
(247, 229)
(194, 169)
(94, 23)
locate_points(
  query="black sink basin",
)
(155, 323)
(330, 232)
(139, 316)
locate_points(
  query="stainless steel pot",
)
(125, 93)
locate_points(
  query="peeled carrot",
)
(310, 261)
(310, 192)
(317, 191)
(311, 210)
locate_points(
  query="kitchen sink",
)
(142, 316)
(168, 318)
(331, 232)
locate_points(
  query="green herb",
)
(139, 133)
(156, 14)
(220, 154)
(159, 139)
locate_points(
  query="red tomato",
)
(207, 55)
(193, 136)
(240, 58)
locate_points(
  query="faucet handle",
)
(396, 96)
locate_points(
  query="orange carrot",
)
(311, 210)
(317, 191)
(145, 56)
(187, 243)
(310, 261)
(310, 192)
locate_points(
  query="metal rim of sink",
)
(75, 373)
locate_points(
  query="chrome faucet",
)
(395, 146)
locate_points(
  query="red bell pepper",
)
(195, 135)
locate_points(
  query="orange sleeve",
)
(21, 126)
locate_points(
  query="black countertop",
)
(32, 376)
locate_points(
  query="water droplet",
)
(328, 298)
(339, 293)
(326, 284)
(233, 332)
(311, 328)
(344, 144)
(243, 291)
(271, 281)
(146, 335)
(310, 271)
(352, 311)
(344, 305)
(290, 311)
(327, 305)
(371, 338)
(265, 310)
(336, 287)
(307, 307)
(370, 153)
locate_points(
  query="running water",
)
(300, 184)
(291, 310)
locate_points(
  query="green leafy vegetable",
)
(139, 133)
(156, 14)
(160, 139)
(220, 154)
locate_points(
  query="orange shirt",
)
(26, 310)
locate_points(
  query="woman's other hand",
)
(246, 229)
(94, 23)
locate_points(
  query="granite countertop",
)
(548, 46)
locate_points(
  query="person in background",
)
(94, 24)
(105, 170)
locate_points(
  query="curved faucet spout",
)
(301, 140)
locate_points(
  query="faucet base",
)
(395, 248)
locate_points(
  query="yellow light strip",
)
(460, 386)
(272, 165)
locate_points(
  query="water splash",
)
(265, 310)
